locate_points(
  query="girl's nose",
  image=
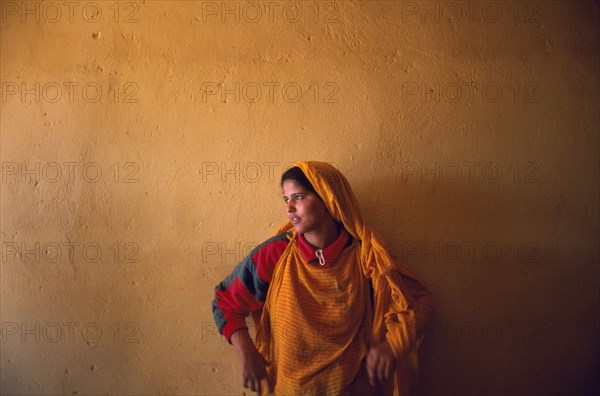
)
(290, 207)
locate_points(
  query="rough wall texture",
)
(141, 143)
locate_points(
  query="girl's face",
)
(305, 210)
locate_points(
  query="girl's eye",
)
(298, 197)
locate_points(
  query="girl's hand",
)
(254, 366)
(380, 363)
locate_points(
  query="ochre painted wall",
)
(141, 143)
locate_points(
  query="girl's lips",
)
(295, 220)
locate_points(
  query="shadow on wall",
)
(473, 242)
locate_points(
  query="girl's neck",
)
(324, 236)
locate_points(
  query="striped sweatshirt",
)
(245, 290)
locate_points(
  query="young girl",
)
(338, 314)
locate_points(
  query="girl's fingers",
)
(257, 386)
(381, 371)
(371, 368)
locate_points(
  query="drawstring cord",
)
(319, 254)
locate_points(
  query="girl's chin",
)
(299, 229)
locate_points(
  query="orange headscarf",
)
(401, 302)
